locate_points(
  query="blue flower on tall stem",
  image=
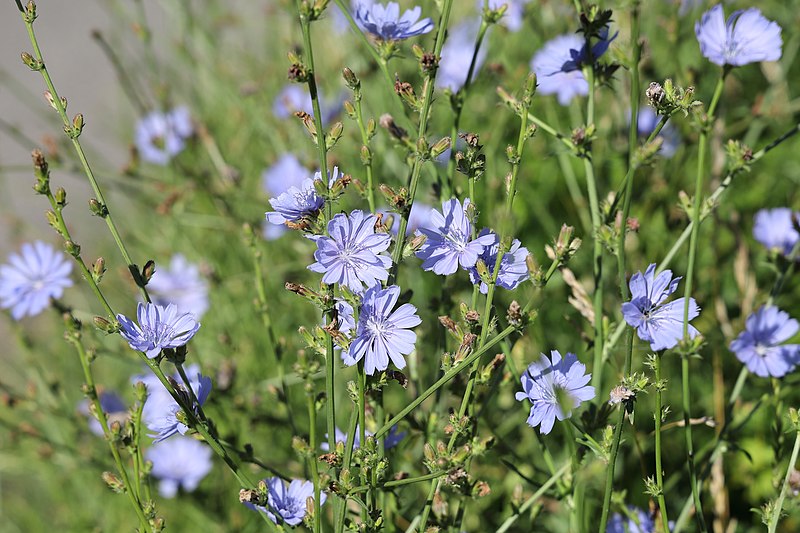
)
(513, 266)
(555, 387)
(775, 229)
(299, 201)
(746, 37)
(350, 256)
(285, 173)
(385, 22)
(159, 328)
(383, 334)
(289, 502)
(659, 323)
(449, 240)
(31, 278)
(181, 462)
(162, 136)
(760, 346)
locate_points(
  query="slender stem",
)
(547, 128)
(312, 459)
(137, 427)
(534, 498)
(74, 137)
(776, 512)
(365, 143)
(658, 416)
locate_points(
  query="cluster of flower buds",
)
(669, 98)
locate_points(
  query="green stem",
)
(776, 513)
(534, 498)
(312, 459)
(365, 143)
(662, 504)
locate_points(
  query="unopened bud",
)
(350, 79)
(113, 482)
(72, 248)
(31, 62)
(98, 269)
(61, 197)
(97, 209)
(148, 270)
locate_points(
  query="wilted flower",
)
(112, 405)
(659, 323)
(160, 412)
(385, 22)
(449, 240)
(182, 285)
(285, 173)
(760, 346)
(29, 279)
(513, 268)
(457, 56)
(299, 201)
(350, 256)
(160, 136)
(774, 228)
(382, 334)
(555, 387)
(181, 462)
(289, 502)
(159, 327)
(558, 65)
(746, 37)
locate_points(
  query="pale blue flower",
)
(513, 266)
(162, 136)
(285, 173)
(350, 255)
(555, 387)
(289, 502)
(181, 462)
(760, 346)
(642, 522)
(31, 278)
(294, 97)
(457, 56)
(419, 216)
(181, 284)
(159, 328)
(746, 37)
(299, 201)
(383, 334)
(775, 229)
(385, 22)
(659, 323)
(449, 240)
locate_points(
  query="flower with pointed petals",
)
(285, 173)
(159, 327)
(555, 387)
(746, 37)
(181, 462)
(659, 323)
(383, 334)
(299, 201)
(162, 136)
(350, 256)
(760, 346)
(513, 268)
(558, 65)
(457, 56)
(385, 22)
(160, 412)
(289, 502)
(31, 278)
(449, 240)
(182, 285)
(775, 229)
(112, 405)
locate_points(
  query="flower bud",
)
(72, 248)
(114, 483)
(97, 209)
(98, 269)
(31, 62)
(350, 79)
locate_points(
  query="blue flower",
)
(385, 22)
(350, 255)
(638, 521)
(659, 323)
(160, 136)
(515, 11)
(160, 409)
(558, 65)
(449, 240)
(285, 173)
(382, 334)
(760, 346)
(182, 285)
(555, 387)
(289, 502)
(159, 328)
(112, 405)
(746, 37)
(299, 201)
(31, 278)
(392, 438)
(294, 98)
(774, 228)
(648, 120)
(513, 268)
(457, 56)
(181, 462)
